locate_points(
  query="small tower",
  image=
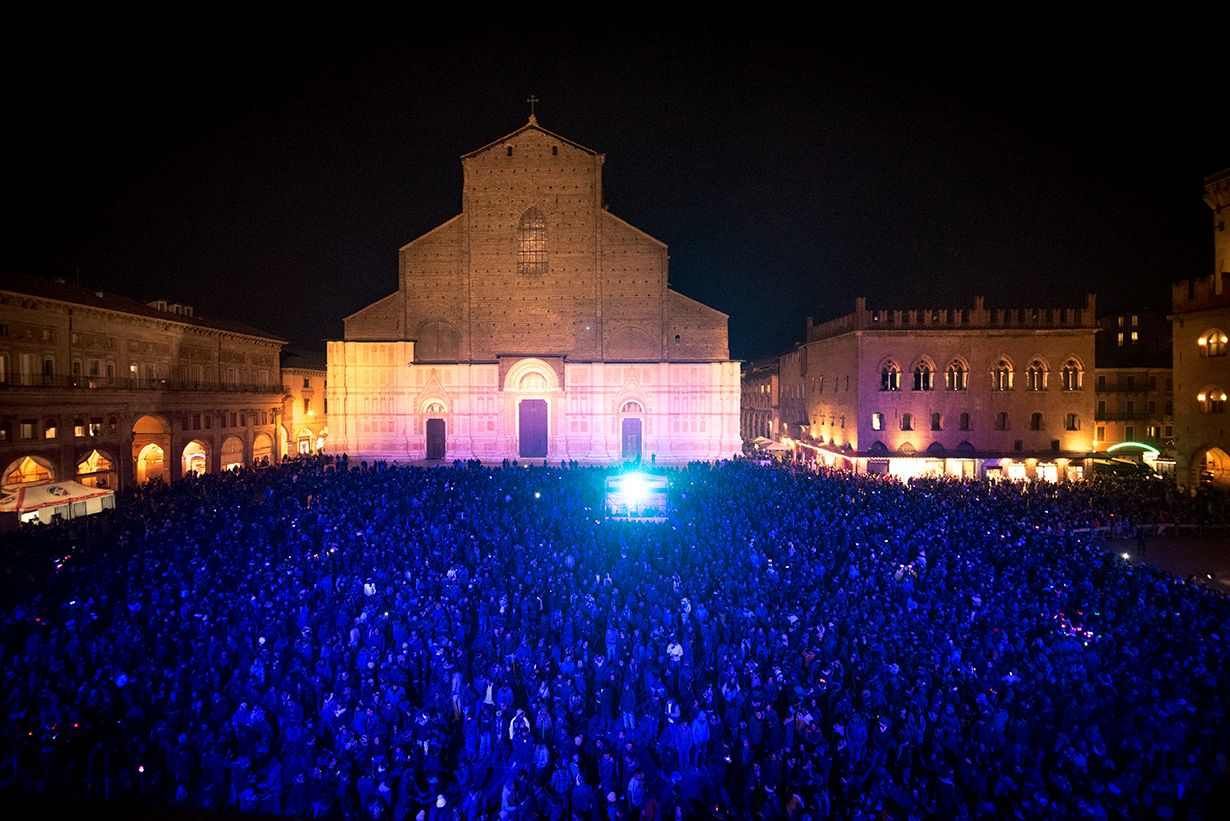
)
(1217, 196)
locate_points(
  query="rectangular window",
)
(877, 421)
(1101, 408)
(96, 424)
(1099, 433)
(25, 429)
(307, 382)
(1018, 445)
(1119, 339)
(234, 419)
(49, 429)
(306, 404)
(1129, 433)
(209, 421)
(79, 427)
(1072, 422)
(196, 421)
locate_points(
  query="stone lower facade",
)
(384, 405)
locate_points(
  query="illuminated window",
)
(1001, 376)
(1072, 375)
(956, 378)
(877, 421)
(1213, 342)
(96, 424)
(1212, 400)
(890, 378)
(25, 429)
(907, 421)
(1119, 338)
(1135, 336)
(49, 429)
(1035, 376)
(78, 427)
(532, 243)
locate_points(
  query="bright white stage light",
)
(635, 488)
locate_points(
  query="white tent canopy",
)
(42, 500)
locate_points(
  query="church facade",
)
(535, 324)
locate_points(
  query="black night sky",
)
(272, 181)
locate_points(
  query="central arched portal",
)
(435, 439)
(631, 450)
(631, 428)
(532, 428)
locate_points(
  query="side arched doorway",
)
(151, 464)
(195, 458)
(232, 453)
(262, 450)
(1210, 468)
(151, 442)
(27, 470)
(97, 469)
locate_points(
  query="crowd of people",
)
(369, 641)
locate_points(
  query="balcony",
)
(26, 382)
(1126, 416)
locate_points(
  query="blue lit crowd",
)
(325, 639)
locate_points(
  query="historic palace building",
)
(305, 406)
(109, 391)
(534, 324)
(1134, 389)
(759, 411)
(970, 392)
(1200, 316)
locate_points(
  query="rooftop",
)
(75, 295)
(975, 317)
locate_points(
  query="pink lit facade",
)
(534, 325)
